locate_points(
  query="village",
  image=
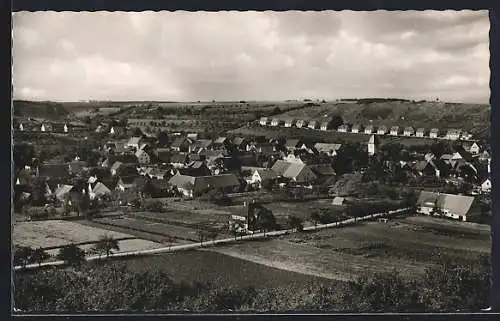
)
(150, 187)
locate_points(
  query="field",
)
(53, 233)
(341, 254)
(215, 268)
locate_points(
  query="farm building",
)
(263, 121)
(289, 123)
(356, 129)
(369, 129)
(449, 205)
(420, 132)
(299, 173)
(382, 130)
(453, 134)
(99, 190)
(339, 201)
(194, 186)
(434, 133)
(324, 125)
(408, 131)
(312, 124)
(328, 149)
(343, 128)
(394, 131)
(300, 123)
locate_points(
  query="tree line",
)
(446, 287)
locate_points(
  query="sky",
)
(227, 56)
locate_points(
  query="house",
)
(61, 193)
(134, 143)
(356, 129)
(181, 144)
(292, 144)
(408, 131)
(300, 123)
(372, 145)
(449, 205)
(453, 134)
(343, 128)
(201, 145)
(369, 129)
(323, 171)
(473, 149)
(338, 201)
(486, 186)
(275, 122)
(130, 182)
(262, 175)
(112, 131)
(196, 168)
(420, 132)
(289, 123)
(42, 128)
(192, 136)
(220, 143)
(54, 171)
(394, 131)
(324, 125)
(240, 143)
(99, 190)
(429, 156)
(327, 149)
(297, 172)
(382, 130)
(194, 186)
(143, 157)
(426, 168)
(115, 168)
(263, 121)
(312, 124)
(178, 160)
(434, 132)
(465, 136)
(21, 127)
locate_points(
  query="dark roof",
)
(54, 171)
(322, 169)
(178, 158)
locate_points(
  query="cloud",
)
(251, 55)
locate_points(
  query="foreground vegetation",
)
(109, 286)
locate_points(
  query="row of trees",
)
(447, 287)
(71, 254)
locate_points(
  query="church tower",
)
(372, 145)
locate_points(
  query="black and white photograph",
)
(251, 162)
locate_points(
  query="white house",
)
(408, 131)
(382, 130)
(299, 123)
(324, 125)
(420, 132)
(356, 129)
(394, 131)
(288, 123)
(434, 133)
(263, 121)
(486, 186)
(368, 129)
(342, 129)
(275, 122)
(475, 149)
(134, 142)
(312, 124)
(453, 134)
(449, 205)
(262, 175)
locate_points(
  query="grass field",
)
(48, 234)
(367, 247)
(216, 268)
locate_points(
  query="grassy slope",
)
(46, 110)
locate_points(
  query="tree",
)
(315, 218)
(106, 245)
(72, 255)
(335, 121)
(39, 255)
(295, 222)
(22, 255)
(83, 204)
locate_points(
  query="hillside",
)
(471, 117)
(46, 110)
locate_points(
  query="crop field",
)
(301, 209)
(215, 268)
(366, 247)
(217, 222)
(144, 226)
(48, 234)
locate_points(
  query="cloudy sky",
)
(251, 55)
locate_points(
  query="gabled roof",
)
(409, 129)
(457, 204)
(179, 141)
(383, 127)
(291, 143)
(204, 182)
(434, 130)
(134, 141)
(220, 140)
(420, 130)
(101, 189)
(280, 166)
(116, 165)
(62, 191)
(393, 128)
(322, 169)
(293, 170)
(327, 147)
(266, 173)
(238, 141)
(202, 143)
(178, 158)
(141, 152)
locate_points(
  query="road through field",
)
(222, 241)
